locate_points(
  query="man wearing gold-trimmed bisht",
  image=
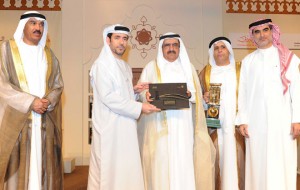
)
(30, 109)
(222, 69)
(176, 150)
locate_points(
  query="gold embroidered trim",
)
(207, 72)
(165, 123)
(18, 66)
(49, 67)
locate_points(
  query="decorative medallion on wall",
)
(144, 37)
(263, 6)
(44, 5)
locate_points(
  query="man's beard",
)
(119, 53)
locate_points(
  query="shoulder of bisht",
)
(4, 45)
(204, 77)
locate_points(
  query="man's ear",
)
(108, 40)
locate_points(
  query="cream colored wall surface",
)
(72, 67)
(197, 21)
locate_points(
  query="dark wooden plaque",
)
(169, 95)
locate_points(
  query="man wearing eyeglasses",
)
(176, 150)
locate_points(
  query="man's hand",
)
(141, 87)
(188, 93)
(148, 97)
(243, 129)
(40, 105)
(149, 108)
(295, 130)
(206, 97)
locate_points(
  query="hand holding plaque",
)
(212, 114)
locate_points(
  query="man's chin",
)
(120, 53)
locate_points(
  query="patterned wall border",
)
(41, 5)
(263, 6)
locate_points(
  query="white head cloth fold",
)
(19, 34)
(212, 60)
(106, 56)
(183, 59)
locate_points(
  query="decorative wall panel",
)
(144, 37)
(263, 6)
(45, 5)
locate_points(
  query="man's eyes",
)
(118, 37)
(258, 31)
(34, 23)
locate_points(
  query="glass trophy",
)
(213, 106)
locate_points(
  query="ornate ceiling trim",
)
(263, 6)
(39, 5)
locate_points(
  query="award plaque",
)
(169, 95)
(213, 106)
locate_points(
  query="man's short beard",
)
(119, 54)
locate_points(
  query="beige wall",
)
(72, 68)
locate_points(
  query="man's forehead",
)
(170, 40)
(34, 19)
(261, 27)
(119, 34)
(219, 43)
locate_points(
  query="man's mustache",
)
(37, 31)
(171, 52)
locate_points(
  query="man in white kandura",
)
(229, 143)
(115, 158)
(177, 152)
(269, 110)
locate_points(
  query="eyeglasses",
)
(174, 45)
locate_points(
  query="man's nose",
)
(122, 41)
(38, 27)
(171, 47)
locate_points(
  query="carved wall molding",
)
(263, 6)
(40, 5)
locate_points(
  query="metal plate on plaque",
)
(213, 109)
(169, 95)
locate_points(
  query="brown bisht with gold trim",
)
(15, 123)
